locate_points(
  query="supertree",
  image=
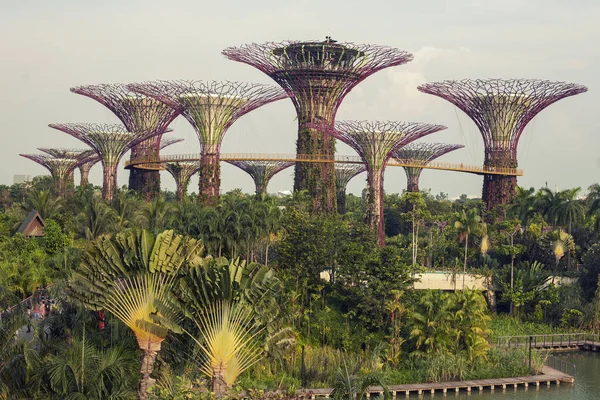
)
(87, 160)
(261, 171)
(375, 142)
(110, 142)
(343, 174)
(61, 169)
(182, 171)
(421, 153)
(501, 109)
(317, 76)
(84, 169)
(211, 108)
(140, 115)
(166, 142)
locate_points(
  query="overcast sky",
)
(49, 46)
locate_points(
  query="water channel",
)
(586, 386)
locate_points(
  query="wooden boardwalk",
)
(548, 377)
(560, 341)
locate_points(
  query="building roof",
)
(33, 226)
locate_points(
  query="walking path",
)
(548, 377)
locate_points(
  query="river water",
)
(586, 386)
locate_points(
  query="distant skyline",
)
(49, 47)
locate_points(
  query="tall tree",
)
(467, 223)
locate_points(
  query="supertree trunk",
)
(317, 178)
(210, 177)
(375, 203)
(146, 183)
(84, 172)
(413, 184)
(499, 189)
(109, 181)
(341, 200)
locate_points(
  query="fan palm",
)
(131, 275)
(232, 303)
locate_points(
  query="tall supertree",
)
(375, 142)
(182, 171)
(211, 108)
(421, 153)
(110, 142)
(317, 76)
(261, 171)
(61, 169)
(343, 174)
(140, 115)
(87, 160)
(84, 169)
(501, 109)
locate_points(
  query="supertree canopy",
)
(501, 109)
(421, 152)
(166, 142)
(343, 174)
(317, 76)
(211, 108)
(61, 167)
(87, 160)
(261, 171)
(375, 142)
(182, 171)
(110, 142)
(140, 115)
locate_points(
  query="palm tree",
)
(429, 322)
(231, 303)
(467, 223)
(131, 275)
(546, 204)
(44, 202)
(523, 206)
(593, 200)
(79, 370)
(125, 207)
(470, 316)
(560, 243)
(569, 209)
(351, 385)
(157, 214)
(96, 219)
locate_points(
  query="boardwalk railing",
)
(548, 340)
(561, 365)
(151, 162)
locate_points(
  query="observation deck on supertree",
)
(343, 174)
(88, 159)
(211, 108)
(501, 109)
(317, 76)
(110, 142)
(140, 115)
(61, 163)
(261, 172)
(375, 143)
(182, 171)
(421, 152)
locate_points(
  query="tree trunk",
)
(465, 265)
(150, 351)
(217, 384)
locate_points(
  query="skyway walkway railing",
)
(151, 162)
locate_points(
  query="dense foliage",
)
(258, 293)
